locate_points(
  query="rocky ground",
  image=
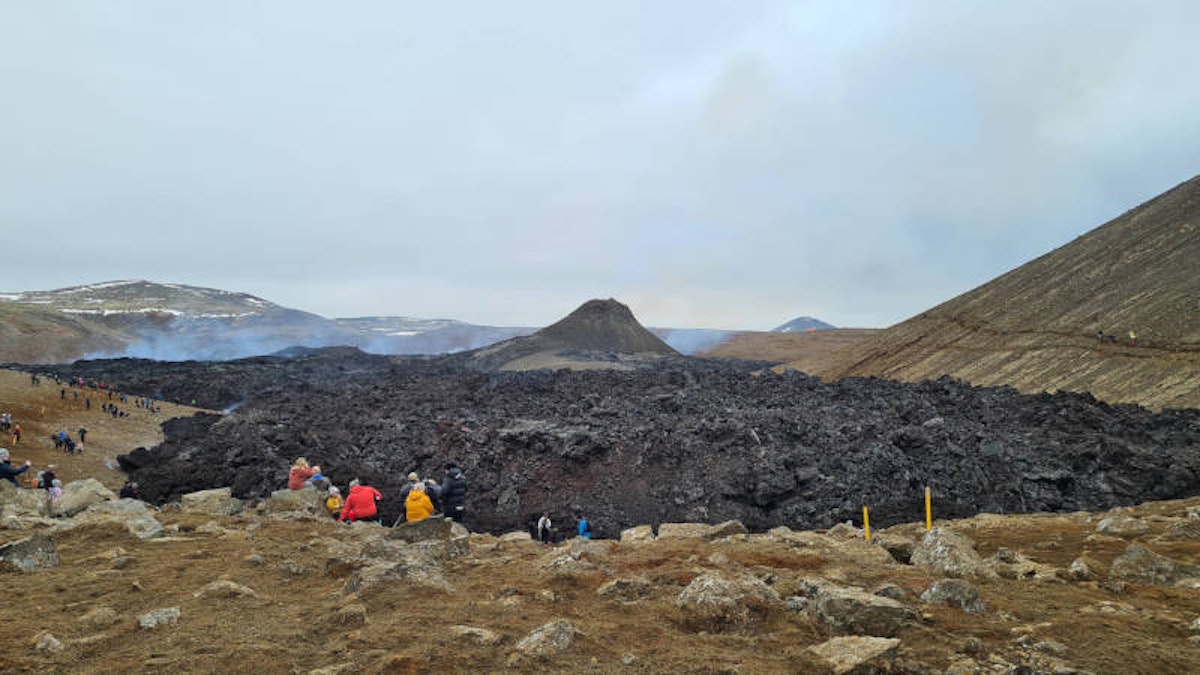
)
(108, 585)
(691, 440)
(114, 586)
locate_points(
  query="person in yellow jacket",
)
(417, 505)
(334, 501)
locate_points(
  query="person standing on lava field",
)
(543, 528)
(361, 503)
(454, 492)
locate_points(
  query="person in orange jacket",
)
(417, 505)
(360, 503)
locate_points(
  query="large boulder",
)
(947, 552)
(637, 535)
(19, 502)
(683, 530)
(1122, 526)
(37, 552)
(851, 610)
(700, 530)
(718, 601)
(955, 592)
(548, 639)
(215, 502)
(78, 496)
(856, 653)
(434, 528)
(307, 501)
(132, 514)
(1140, 565)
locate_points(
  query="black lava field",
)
(689, 440)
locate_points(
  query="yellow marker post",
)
(928, 511)
(866, 523)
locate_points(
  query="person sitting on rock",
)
(333, 503)
(129, 490)
(361, 503)
(55, 489)
(7, 471)
(434, 491)
(300, 472)
(413, 479)
(417, 505)
(46, 478)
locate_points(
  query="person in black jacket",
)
(454, 492)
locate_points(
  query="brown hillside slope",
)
(31, 334)
(1035, 327)
(805, 351)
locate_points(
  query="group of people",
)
(545, 528)
(64, 442)
(46, 479)
(421, 498)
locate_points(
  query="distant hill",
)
(159, 321)
(1035, 327)
(599, 334)
(807, 351)
(802, 324)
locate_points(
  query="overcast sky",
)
(710, 164)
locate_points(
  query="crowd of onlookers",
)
(421, 498)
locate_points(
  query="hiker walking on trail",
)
(82, 434)
(360, 503)
(1132, 339)
(7, 471)
(16, 434)
(454, 492)
(417, 505)
(543, 528)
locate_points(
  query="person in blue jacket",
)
(583, 527)
(8, 471)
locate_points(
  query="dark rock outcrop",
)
(689, 440)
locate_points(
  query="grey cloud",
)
(722, 165)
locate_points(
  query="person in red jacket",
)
(301, 472)
(361, 503)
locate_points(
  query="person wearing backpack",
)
(583, 528)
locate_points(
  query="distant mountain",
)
(176, 322)
(599, 334)
(167, 322)
(802, 324)
(1035, 327)
(407, 335)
